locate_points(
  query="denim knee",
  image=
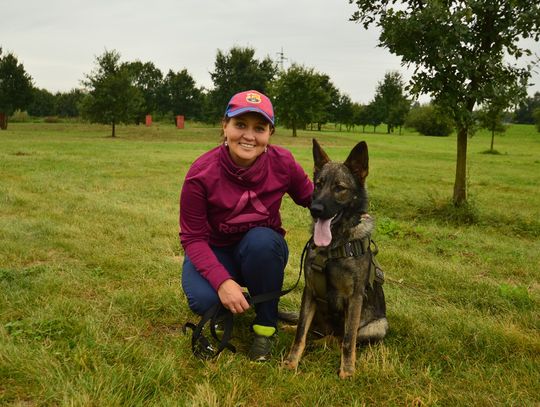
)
(199, 293)
(264, 243)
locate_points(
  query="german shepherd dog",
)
(350, 305)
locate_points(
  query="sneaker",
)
(261, 348)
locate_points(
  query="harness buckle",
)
(349, 249)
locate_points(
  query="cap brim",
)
(242, 110)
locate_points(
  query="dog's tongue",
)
(322, 236)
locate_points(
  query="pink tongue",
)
(321, 232)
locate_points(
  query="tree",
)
(298, 97)
(361, 114)
(236, 71)
(68, 103)
(43, 103)
(390, 95)
(398, 114)
(490, 118)
(524, 112)
(458, 49)
(148, 80)
(493, 111)
(536, 117)
(332, 102)
(15, 87)
(374, 114)
(429, 120)
(344, 112)
(181, 96)
(112, 98)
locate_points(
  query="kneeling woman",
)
(230, 225)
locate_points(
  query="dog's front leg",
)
(307, 312)
(348, 346)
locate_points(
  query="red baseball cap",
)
(250, 101)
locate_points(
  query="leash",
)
(201, 346)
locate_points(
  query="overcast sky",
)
(58, 40)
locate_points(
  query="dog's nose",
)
(316, 209)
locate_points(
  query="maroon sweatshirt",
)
(220, 202)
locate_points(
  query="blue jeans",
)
(257, 262)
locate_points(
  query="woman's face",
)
(247, 136)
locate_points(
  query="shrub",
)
(429, 121)
(19, 117)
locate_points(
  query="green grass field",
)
(91, 307)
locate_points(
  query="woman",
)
(230, 225)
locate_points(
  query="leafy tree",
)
(43, 103)
(148, 80)
(112, 97)
(361, 116)
(524, 112)
(394, 105)
(299, 97)
(493, 112)
(430, 121)
(236, 71)
(181, 96)
(459, 50)
(398, 114)
(490, 118)
(344, 112)
(15, 87)
(536, 116)
(374, 114)
(68, 103)
(332, 102)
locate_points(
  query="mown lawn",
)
(91, 307)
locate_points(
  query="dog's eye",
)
(319, 183)
(339, 188)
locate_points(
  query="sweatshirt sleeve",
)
(300, 187)
(195, 231)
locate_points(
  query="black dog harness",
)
(352, 248)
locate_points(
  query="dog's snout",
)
(316, 209)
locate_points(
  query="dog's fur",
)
(353, 309)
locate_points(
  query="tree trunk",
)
(3, 121)
(460, 184)
(113, 129)
(294, 130)
(492, 139)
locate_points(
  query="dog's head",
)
(340, 194)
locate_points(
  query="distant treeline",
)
(125, 92)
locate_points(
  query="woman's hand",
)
(232, 297)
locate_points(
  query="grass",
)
(91, 307)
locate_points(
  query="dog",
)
(343, 294)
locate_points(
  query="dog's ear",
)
(358, 161)
(319, 156)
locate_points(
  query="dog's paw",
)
(345, 374)
(290, 364)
